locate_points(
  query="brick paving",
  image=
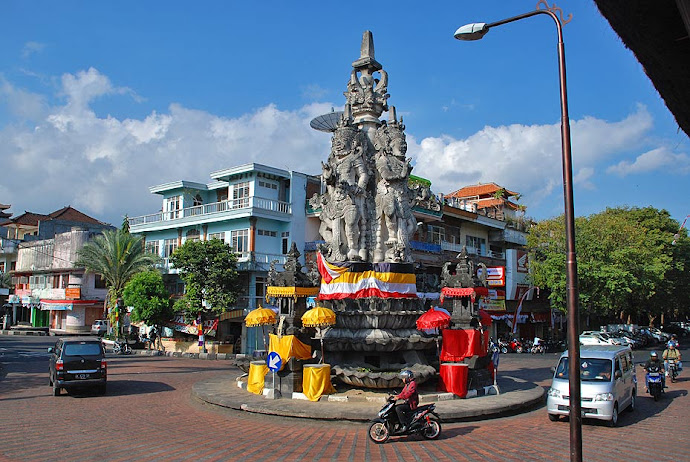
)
(148, 413)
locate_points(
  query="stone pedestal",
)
(289, 380)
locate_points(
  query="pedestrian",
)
(153, 334)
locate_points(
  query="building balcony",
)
(246, 261)
(217, 211)
(510, 235)
(8, 246)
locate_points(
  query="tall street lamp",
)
(677, 235)
(475, 32)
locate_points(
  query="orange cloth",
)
(255, 381)
(288, 347)
(316, 381)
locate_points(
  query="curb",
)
(226, 392)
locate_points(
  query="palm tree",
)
(116, 256)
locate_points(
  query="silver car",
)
(607, 380)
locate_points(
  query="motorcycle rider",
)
(670, 353)
(409, 394)
(655, 365)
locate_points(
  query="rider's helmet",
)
(653, 355)
(671, 344)
(406, 376)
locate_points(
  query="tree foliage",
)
(116, 256)
(149, 299)
(626, 263)
(209, 271)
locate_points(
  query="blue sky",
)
(100, 100)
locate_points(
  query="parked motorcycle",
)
(503, 346)
(515, 346)
(121, 347)
(654, 383)
(424, 421)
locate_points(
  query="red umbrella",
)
(433, 319)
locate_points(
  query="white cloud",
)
(526, 158)
(104, 165)
(656, 159)
(31, 48)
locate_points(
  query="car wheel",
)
(56, 390)
(553, 417)
(614, 416)
(50, 379)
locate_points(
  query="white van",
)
(607, 382)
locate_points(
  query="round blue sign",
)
(274, 361)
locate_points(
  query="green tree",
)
(149, 299)
(6, 281)
(116, 256)
(624, 261)
(209, 271)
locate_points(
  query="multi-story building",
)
(49, 289)
(258, 210)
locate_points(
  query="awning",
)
(456, 292)
(56, 306)
(275, 291)
(232, 314)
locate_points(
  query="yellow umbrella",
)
(260, 317)
(319, 317)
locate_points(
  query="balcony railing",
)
(245, 261)
(216, 207)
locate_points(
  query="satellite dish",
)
(326, 122)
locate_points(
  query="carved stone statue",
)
(344, 213)
(395, 221)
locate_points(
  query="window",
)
(219, 236)
(239, 240)
(475, 243)
(436, 234)
(172, 207)
(152, 247)
(198, 200)
(285, 236)
(169, 246)
(99, 282)
(2, 266)
(193, 235)
(266, 184)
(265, 232)
(240, 195)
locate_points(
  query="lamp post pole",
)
(677, 235)
(475, 32)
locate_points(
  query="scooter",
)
(424, 421)
(654, 383)
(672, 369)
(540, 348)
(121, 347)
(503, 346)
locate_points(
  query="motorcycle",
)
(672, 369)
(121, 347)
(654, 383)
(515, 346)
(503, 346)
(540, 348)
(424, 421)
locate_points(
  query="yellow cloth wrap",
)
(288, 347)
(255, 381)
(316, 381)
(275, 291)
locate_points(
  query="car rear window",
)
(591, 370)
(82, 349)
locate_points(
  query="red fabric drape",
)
(453, 378)
(459, 344)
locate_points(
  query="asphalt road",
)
(148, 414)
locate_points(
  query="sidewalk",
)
(516, 396)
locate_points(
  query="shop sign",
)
(73, 293)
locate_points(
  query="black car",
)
(78, 363)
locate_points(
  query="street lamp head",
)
(473, 31)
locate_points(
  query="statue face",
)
(343, 142)
(399, 145)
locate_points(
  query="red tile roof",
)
(66, 213)
(485, 203)
(480, 190)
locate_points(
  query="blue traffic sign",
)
(274, 361)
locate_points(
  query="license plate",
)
(82, 376)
